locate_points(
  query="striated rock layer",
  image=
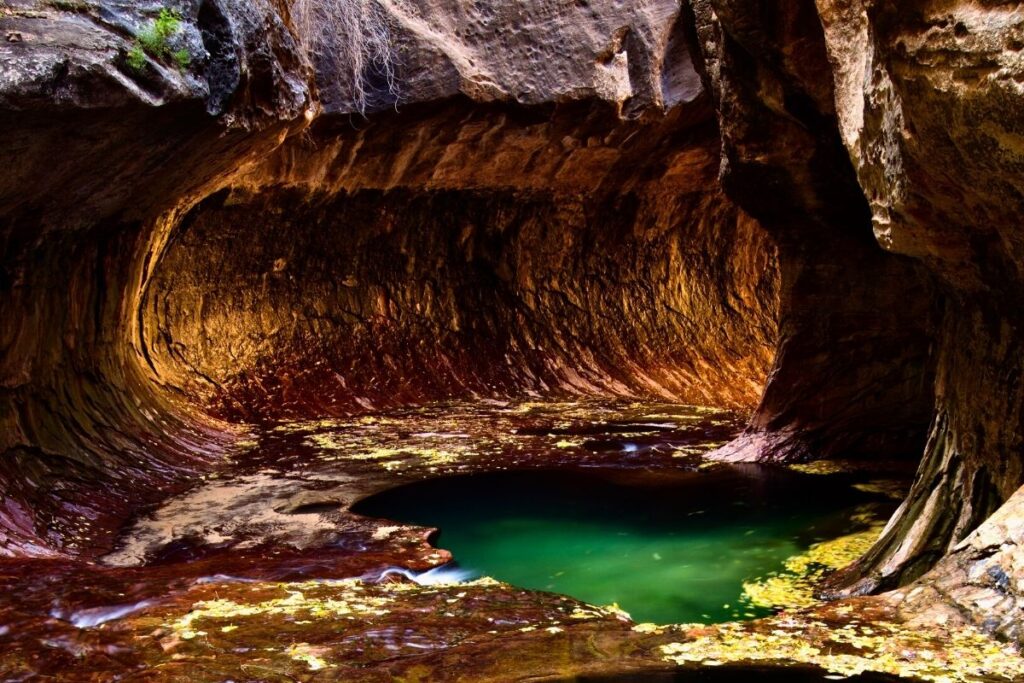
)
(365, 277)
(96, 163)
(530, 208)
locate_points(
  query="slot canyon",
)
(547, 340)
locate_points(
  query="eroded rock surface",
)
(187, 243)
(979, 581)
(111, 379)
(852, 373)
(95, 153)
(933, 131)
(438, 271)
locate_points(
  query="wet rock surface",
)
(261, 572)
(559, 162)
(350, 630)
(292, 484)
(109, 380)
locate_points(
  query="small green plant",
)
(154, 38)
(182, 58)
(155, 41)
(136, 57)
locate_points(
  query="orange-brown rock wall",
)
(610, 264)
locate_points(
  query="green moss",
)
(182, 58)
(154, 38)
(155, 41)
(137, 57)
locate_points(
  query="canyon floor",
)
(278, 276)
(261, 571)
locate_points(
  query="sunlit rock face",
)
(529, 207)
(95, 154)
(613, 267)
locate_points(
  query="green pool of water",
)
(664, 548)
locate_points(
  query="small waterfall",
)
(94, 616)
(448, 573)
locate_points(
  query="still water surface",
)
(666, 549)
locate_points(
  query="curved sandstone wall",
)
(614, 268)
(540, 215)
(533, 186)
(918, 103)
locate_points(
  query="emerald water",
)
(665, 547)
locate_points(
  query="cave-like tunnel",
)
(727, 290)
